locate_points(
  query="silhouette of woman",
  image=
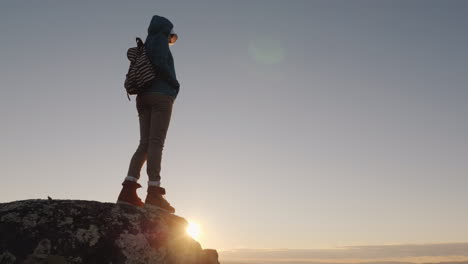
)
(154, 107)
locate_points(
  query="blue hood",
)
(160, 24)
(157, 49)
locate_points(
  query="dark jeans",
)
(154, 113)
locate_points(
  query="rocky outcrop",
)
(76, 231)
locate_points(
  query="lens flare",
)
(266, 50)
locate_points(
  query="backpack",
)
(141, 72)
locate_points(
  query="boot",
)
(155, 199)
(128, 195)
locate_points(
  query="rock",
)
(76, 231)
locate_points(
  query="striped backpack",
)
(141, 72)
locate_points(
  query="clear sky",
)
(299, 124)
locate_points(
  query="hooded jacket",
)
(157, 48)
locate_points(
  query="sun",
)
(193, 230)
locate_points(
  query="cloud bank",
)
(385, 254)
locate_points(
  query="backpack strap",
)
(139, 42)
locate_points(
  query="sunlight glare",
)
(193, 230)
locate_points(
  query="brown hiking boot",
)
(128, 194)
(155, 199)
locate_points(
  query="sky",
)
(300, 125)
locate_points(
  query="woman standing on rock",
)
(154, 107)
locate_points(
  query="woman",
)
(154, 108)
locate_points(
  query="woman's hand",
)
(174, 83)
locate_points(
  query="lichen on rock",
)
(7, 257)
(90, 235)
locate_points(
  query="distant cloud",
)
(384, 254)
